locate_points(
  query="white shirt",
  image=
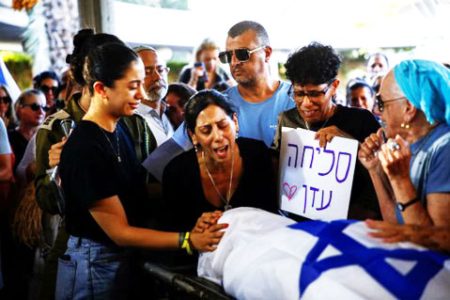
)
(159, 125)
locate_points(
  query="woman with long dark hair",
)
(104, 187)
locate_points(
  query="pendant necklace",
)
(119, 159)
(226, 201)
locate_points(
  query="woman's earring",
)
(405, 125)
(195, 148)
(237, 134)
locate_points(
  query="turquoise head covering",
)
(426, 84)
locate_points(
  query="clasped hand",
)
(207, 233)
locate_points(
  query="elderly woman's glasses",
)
(5, 100)
(36, 107)
(241, 54)
(380, 103)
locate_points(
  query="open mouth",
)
(134, 105)
(221, 152)
(309, 113)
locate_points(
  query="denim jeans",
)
(92, 270)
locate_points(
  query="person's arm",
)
(6, 172)
(368, 157)
(396, 164)
(110, 216)
(46, 194)
(432, 237)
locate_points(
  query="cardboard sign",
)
(316, 182)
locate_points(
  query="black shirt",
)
(183, 194)
(18, 144)
(91, 171)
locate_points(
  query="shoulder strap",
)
(59, 115)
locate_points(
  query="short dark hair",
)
(107, 63)
(313, 64)
(355, 83)
(241, 27)
(37, 80)
(83, 42)
(182, 90)
(202, 100)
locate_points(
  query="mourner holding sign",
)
(313, 70)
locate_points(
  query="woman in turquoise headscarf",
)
(410, 171)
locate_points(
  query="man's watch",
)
(403, 206)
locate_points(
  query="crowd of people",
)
(110, 157)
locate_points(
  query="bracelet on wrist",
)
(181, 239)
(186, 244)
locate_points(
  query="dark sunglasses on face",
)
(47, 89)
(5, 100)
(380, 103)
(241, 54)
(36, 107)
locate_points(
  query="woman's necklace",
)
(227, 200)
(119, 159)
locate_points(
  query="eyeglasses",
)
(380, 103)
(162, 70)
(5, 99)
(36, 107)
(241, 54)
(312, 95)
(47, 89)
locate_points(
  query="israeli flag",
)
(267, 256)
(7, 80)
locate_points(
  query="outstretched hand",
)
(432, 237)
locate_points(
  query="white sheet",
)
(260, 257)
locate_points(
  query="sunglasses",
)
(380, 103)
(241, 54)
(36, 107)
(5, 100)
(47, 89)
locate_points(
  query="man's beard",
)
(157, 94)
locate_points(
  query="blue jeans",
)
(92, 270)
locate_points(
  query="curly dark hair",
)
(313, 64)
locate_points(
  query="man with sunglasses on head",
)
(312, 71)
(155, 84)
(48, 82)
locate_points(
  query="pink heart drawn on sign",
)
(289, 190)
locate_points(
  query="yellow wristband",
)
(186, 245)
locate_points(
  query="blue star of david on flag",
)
(372, 260)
